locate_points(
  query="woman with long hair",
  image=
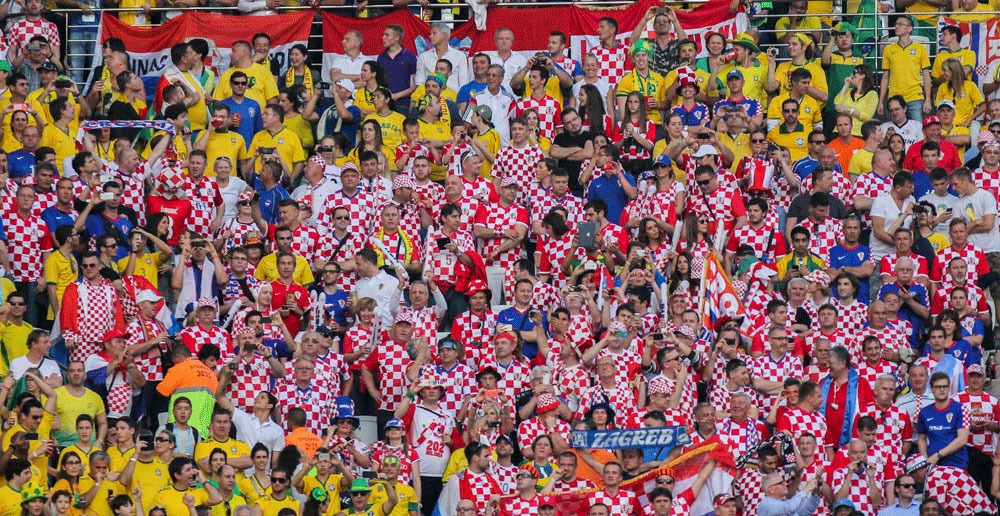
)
(535, 136)
(68, 479)
(680, 275)
(369, 139)
(858, 97)
(34, 502)
(656, 241)
(317, 502)
(954, 336)
(697, 242)
(960, 90)
(541, 463)
(897, 145)
(373, 76)
(389, 120)
(673, 125)
(298, 70)
(592, 112)
(359, 340)
(341, 438)
(216, 459)
(396, 444)
(255, 483)
(297, 119)
(635, 135)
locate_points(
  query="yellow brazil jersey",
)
(392, 129)
(796, 140)
(227, 507)
(981, 13)
(36, 105)
(956, 130)
(13, 343)
(810, 111)
(966, 100)
(147, 266)
(332, 486)
(650, 86)
(907, 66)
(301, 127)
(105, 152)
(784, 71)
(229, 144)
(10, 501)
(100, 506)
(10, 143)
(41, 462)
(821, 10)
(966, 56)
(363, 100)
(198, 113)
(407, 498)
(922, 6)
(119, 458)
(267, 270)
(74, 124)
(287, 143)
(180, 146)
(807, 24)
(739, 146)
(438, 131)
(251, 488)
(754, 78)
(84, 455)
(553, 88)
(390, 157)
(232, 447)
(262, 85)
(61, 141)
(861, 163)
(151, 477)
(491, 140)
(60, 271)
(373, 509)
(172, 499)
(70, 407)
(270, 506)
(447, 93)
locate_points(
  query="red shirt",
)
(179, 211)
(292, 321)
(950, 159)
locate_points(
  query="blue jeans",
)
(82, 41)
(915, 110)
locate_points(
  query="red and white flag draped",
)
(718, 297)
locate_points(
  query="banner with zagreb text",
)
(149, 47)
(531, 27)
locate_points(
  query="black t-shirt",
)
(573, 167)
(799, 208)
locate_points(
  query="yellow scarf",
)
(307, 79)
(404, 243)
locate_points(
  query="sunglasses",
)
(243, 203)
(15, 304)
(239, 83)
(526, 475)
(704, 182)
(759, 140)
(906, 486)
(278, 480)
(89, 265)
(340, 217)
(789, 110)
(360, 494)
(163, 440)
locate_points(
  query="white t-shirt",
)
(426, 433)
(231, 194)
(515, 62)
(911, 132)
(977, 206)
(885, 207)
(601, 85)
(48, 367)
(941, 204)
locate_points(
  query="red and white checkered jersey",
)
(548, 110)
(95, 302)
(623, 503)
(627, 362)
(442, 261)
(867, 373)
(544, 200)
(721, 396)
(622, 399)
(500, 218)
(21, 32)
(956, 491)
(513, 376)
(860, 493)
(519, 164)
(481, 486)
(457, 149)
(149, 363)
(315, 400)
(240, 231)
(766, 240)
(429, 190)
(409, 217)
(425, 324)
(635, 151)
(819, 465)
(612, 62)
(851, 318)
(750, 484)
(518, 506)
(361, 214)
(577, 484)
(419, 149)
(842, 188)
(250, 378)
(459, 383)
(356, 337)
(975, 261)
(988, 180)
(134, 194)
(689, 396)
(469, 207)
(331, 369)
(306, 242)
(723, 205)
(395, 243)
(551, 252)
(352, 242)
(975, 295)
(798, 421)
(379, 187)
(195, 337)
(406, 455)
(869, 185)
(205, 198)
(529, 429)
(894, 428)
(570, 382)
(506, 476)
(389, 361)
(427, 428)
(27, 238)
(481, 189)
(769, 369)
(892, 339)
(983, 408)
(823, 235)
(887, 265)
(475, 332)
(742, 436)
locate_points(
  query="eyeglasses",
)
(278, 480)
(945, 386)
(238, 83)
(704, 182)
(526, 475)
(16, 304)
(35, 418)
(789, 110)
(906, 486)
(363, 493)
(340, 217)
(243, 203)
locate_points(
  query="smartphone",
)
(31, 436)
(289, 298)
(267, 150)
(147, 438)
(323, 86)
(64, 83)
(489, 393)
(194, 244)
(107, 178)
(19, 107)
(443, 242)
(326, 148)
(107, 196)
(251, 347)
(493, 424)
(658, 336)
(588, 232)
(35, 47)
(266, 319)
(703, 136)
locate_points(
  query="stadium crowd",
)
(397, 289)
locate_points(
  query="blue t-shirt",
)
(335, 305)
(468, 91)
(21, 163)
(54, 217)
(694, 116)
(520, 322)
(96, 228)
(250, 120)
(841, 256)
(607, 189)
(906, 313)
(269, 200)
(399, 72)
(752, 105)
(804, 167)
(941, 428)
(921, 184)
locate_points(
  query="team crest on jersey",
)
(913, 51)
(232, 140)
(861, 255)
(948, 417)
(281, 141)
(800, 141)
(251, 82)
(159, 473)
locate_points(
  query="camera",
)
(703, 136)
(267, 150)
(323, 86)
(63, 83)
(34, 47)
(198, 244)
(326, 148)
(251, 347)
(493, 424)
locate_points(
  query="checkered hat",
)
(246, 195)
(509, 181)
(349, 167)
(658, 388)
(820, 277)
(403, 317)
(545, 403)
(686, 77)
(171, 179)
(686, 331)
(317, 159)
(207, 301)
(403, 181)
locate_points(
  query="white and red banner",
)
(149, 47)
(531, 27)
(718, 297)
(982, 38)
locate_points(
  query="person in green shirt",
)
(361, 494)
(800, 262)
